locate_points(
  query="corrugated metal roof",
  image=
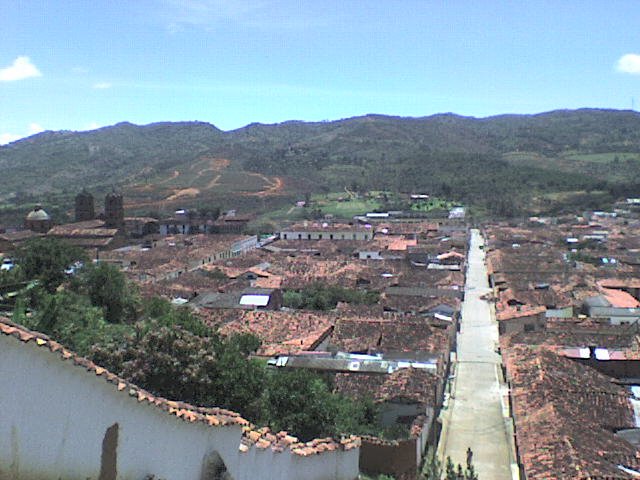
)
(257, 300)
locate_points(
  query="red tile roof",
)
(620, 299)
(565, 414)
(406, 384)
(282, 333)
(391, 334)
(512, 313)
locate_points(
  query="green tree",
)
(320, 296)
(298, 401)
(108, 289)
(46, 260)
(172, 361)
(69, 318)
(450, 470)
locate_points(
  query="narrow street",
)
(474, 416)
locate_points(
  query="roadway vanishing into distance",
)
(474, 417)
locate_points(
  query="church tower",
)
(114, 210)
(85, 209)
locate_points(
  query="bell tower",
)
(114, 210)
(85, 209)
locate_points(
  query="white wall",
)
(54, 415)
(326, 235)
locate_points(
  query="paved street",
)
(474, 417)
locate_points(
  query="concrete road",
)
(474, 417)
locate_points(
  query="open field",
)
(341, 205)
(603, 157)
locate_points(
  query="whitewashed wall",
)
(54, 416)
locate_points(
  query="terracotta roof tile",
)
(281, 332)
(565, 415)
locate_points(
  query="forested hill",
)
(112, 155)
(579, 150)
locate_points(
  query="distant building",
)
(38, 220)
(85, 209)
(114, 210)
(457, 212)
(141, 226)
(326, 231)
(92, 235)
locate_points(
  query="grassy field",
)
(602, 157)
(343, 206)
(526, 158)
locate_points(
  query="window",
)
(285, 236)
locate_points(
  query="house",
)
(281, 332)
(247, 299)
(91, 235)
(570, 420)
(137, 227)
(263, 298)
(409, 397)
(521, 319)
(9, 241)
(65, 417)
(326, 231)
(230, 222)
(616, 305)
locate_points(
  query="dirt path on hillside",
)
(182, 193)
(215, 165)
(174, 175)
(275, 186)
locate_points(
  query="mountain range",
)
(534, 159)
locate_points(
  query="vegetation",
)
(301, 401)
(432, 469)
(46, 259)
(170, 352)
(476, 161)
(320, 296)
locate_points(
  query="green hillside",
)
(506, 164)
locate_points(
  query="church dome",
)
(38, 214)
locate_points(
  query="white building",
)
(64, 417)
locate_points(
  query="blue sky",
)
(78, 65)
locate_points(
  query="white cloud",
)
(92, 126)
(629, 63)
(8, 138)
(20, 69)
(102, 85)
(35, 128)
(255, 14)
(80, 70)
(32, 129)
(206, 12)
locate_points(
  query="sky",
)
(80, 65)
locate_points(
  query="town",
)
(506, 348)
